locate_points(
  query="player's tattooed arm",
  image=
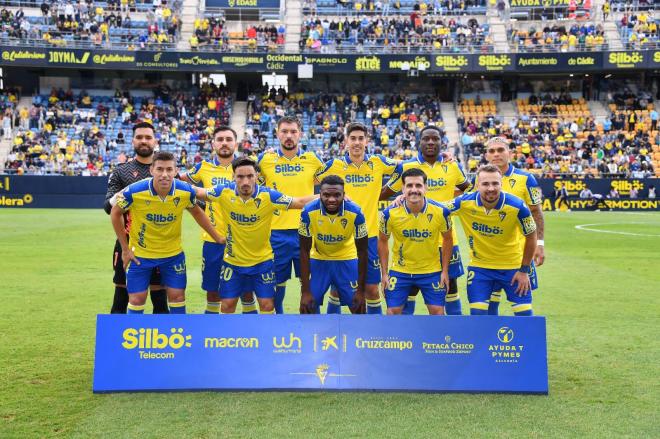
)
(300, 202)
(447, 250)
(537, 214)
(117, 218)
(204, 222)
(384, 256)
(521, 278)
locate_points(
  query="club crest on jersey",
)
(135, 173)
(371, 165)
(344, 222)
(502, 215)
(176, 201)
(429, 217)
(257, 202)
(445, 168)
(512, 183)
(148, 202)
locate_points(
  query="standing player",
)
(334, 232)
(444, 178)
(209, 174)
(417, 225)
(494, 223)
(156, 205)
(363, 176)
(248, 211)
(523, 185)
(293, 171)
(144, 143)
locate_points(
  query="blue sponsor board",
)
(326, 352)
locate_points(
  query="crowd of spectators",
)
(639, 30)
(555, 135)
(394, 119)
(70, 134)
(395, 34)
(211, 34)
(558, 38)
(393, 7)
(68, 23)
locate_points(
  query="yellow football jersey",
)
(416, 237)
(362, 183)
(248, 222)
(520, 183)
(494, 235)
(333, 236)
(209, 174)
(156, 222)
(294, 176)
(442, 179)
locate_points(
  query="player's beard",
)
(144, 150)
(289, 146)
(224, 153)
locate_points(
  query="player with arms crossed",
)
(417, 225)
(523, 185)
(445, 177)
(494, 223)
(209, 174)
(156, 205)
(248, 210)
(333, 249)
(144, 143)
(293, 171)
(363, 176)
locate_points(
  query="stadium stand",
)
(212, 33)
(97, 24)
(556, 134)
(417, 33)
(639, 30)
(558, 37)
(395, 119)
(87, 134)
(394, 7)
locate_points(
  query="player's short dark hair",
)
(225, 128)
(139, 125)
(244, 161)
(413, 172)
(430, 127)
(356, 126)
(289, 119)
(489, 168)
(163, 156)
(332, 180)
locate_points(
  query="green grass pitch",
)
(599, 291)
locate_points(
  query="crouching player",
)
(333, 249)
(416, 226)
(494, 223)
(156, 205)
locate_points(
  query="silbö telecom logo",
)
(154, 345)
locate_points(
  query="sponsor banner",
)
(558, 61)
(324, 352)
(243, 4)
(494, 63)
(601, 188)
(525, 4)
(52, 191)
(327, 63)
(452, 63)
(634, 59)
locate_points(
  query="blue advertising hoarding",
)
(243, 4)
(323, 352)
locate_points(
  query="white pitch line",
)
(586, 228)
